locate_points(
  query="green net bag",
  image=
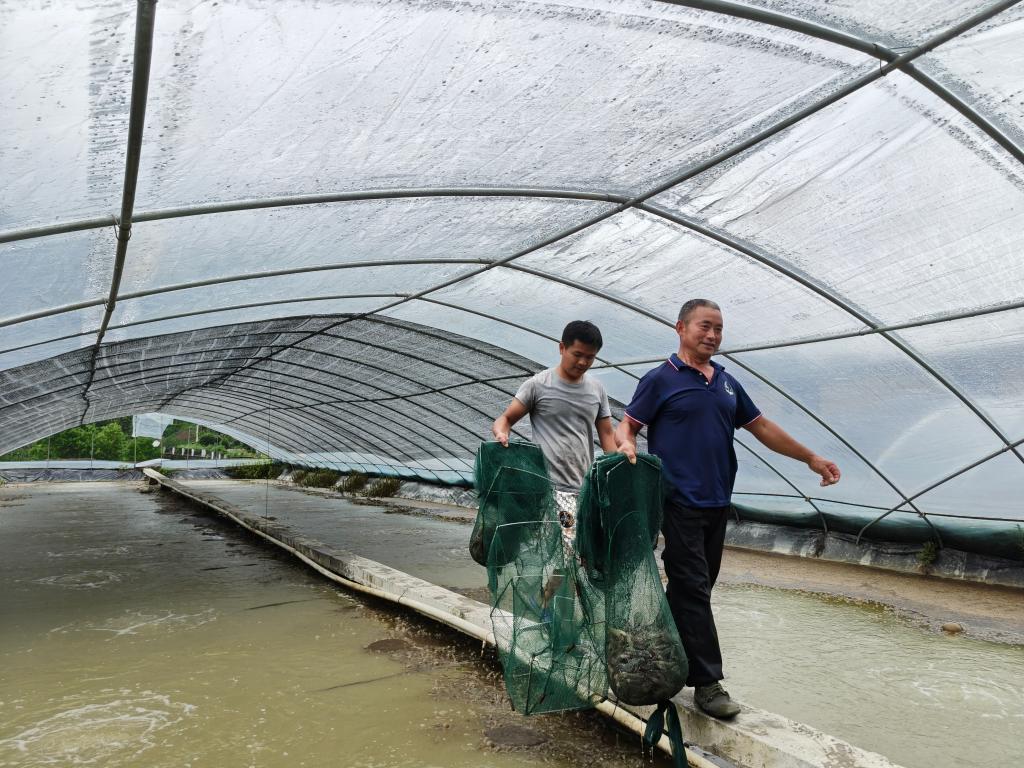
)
(619, 519)
(550, 656)
(512, 486)
(645, 495)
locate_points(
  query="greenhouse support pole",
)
(869, 47)
(942, 481)
(145, 21)
(144, 26)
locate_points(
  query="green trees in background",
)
(105, 440)
(182, 435)
(112, 441)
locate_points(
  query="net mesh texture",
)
(575, 618)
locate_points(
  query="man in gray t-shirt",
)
(566, 408)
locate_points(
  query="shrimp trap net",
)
(573, 619)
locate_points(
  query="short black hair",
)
(687, 309)
(582, 330)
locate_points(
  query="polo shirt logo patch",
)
(728, 388)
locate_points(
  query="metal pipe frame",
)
(488, 382)
(878, 508)
(802, 497)
(898, 62)
(448, 341)
(288, 201)
(145, 23)
(399, 418)
(603, 363)
(150, 401)
(391, 395)
(874, 49)
(220, 408)
(360, 341)
(215, 365)
(494, 318)
(331, 440)
(411, 396)
(841, 303)
(150, 370)
(271, 373)
(119, 382)
(210, 311)
(942, 481)
(398, 421)
(393, 323)
(253, 329)
(201, 312)
(235, 279)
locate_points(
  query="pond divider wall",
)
(905, 557)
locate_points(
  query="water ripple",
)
(108, 733)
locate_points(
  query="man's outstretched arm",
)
(504, 423)
(777, 439)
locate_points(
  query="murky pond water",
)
(922, 698)
(137, 632)
(863, 673)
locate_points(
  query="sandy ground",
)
(988, 612)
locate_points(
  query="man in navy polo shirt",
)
(691, 407)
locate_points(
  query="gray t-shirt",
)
(563, 417)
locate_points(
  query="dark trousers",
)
(694, 539)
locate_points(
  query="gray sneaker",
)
(714, 700)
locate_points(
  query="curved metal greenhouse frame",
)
(847, 182)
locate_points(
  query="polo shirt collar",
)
(676, 362)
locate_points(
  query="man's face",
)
(701, 334)
(576, 359)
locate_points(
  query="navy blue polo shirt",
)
(690, 424)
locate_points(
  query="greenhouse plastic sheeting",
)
(344, 233)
